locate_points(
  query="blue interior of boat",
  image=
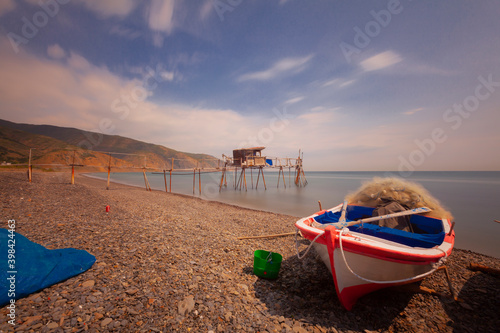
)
(430, 231)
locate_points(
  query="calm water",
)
(472, 197)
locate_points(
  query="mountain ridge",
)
(60, 145)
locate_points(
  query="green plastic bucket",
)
(267, 264)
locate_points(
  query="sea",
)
(473, 197)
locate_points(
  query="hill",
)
(60, 145)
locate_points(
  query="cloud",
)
(6, 6)
(168, 76)
(124, 32)
(294, 100)
(206, 9)
(63, 93)
(108, 8)
(339, 83)
(72, 92)
(281, 67)
(161, 14)
(410, 112)
(78, 62)
(56, 52)
(380, 61)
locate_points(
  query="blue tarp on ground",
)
(34, 266)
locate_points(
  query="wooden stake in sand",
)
(30, 167)
(73, 169)
(109, 171)
(268, 236)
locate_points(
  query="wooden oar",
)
(381, 217)
(342, 214)
(268, 236)
(484, 269)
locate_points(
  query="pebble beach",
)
(173, 263)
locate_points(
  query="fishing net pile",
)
(381, 190)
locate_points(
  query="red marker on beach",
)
(107, 208)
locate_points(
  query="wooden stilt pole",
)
(199, 180)
(165, 179)
(235, 175)
(279, 175)
(283, 175)
(245, 178)
(258, 176)
(146, 183)
(251, 176)
(171, 169)
(304, 175)
(263, 179)
(289, 179)
(240, 180)
(221, 180)
(194, 178)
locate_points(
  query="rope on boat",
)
(435, 266)
(308, 247)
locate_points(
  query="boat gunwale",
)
(380, 248)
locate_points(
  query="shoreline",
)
(188, 196)
(166, 262)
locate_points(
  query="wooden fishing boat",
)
(364, 257)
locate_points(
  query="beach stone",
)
(188, 272)
(106, 322)
(132, 291)
(466, 306)
(52, 325)
(186, 305)
(32, 320)
(88, 284)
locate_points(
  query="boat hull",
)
(362, 264)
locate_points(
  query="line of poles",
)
(239, 182)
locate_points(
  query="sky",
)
(393, 85)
